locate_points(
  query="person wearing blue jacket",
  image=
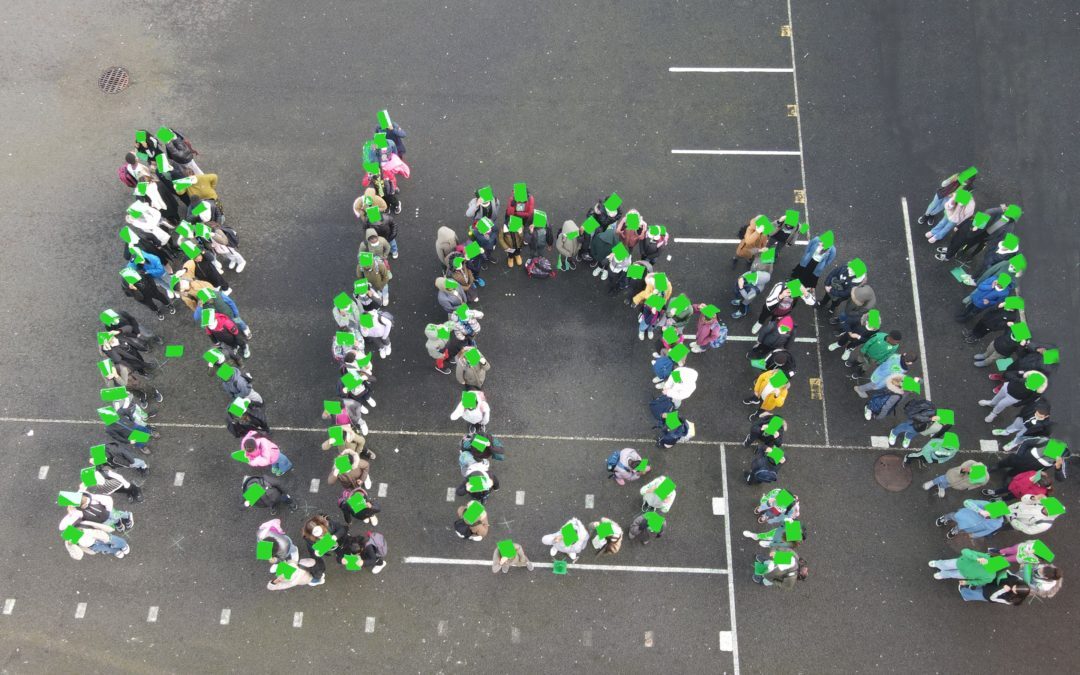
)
(988, 294)
(820, 253)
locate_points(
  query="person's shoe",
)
(845, 355)
(554, 551)
(987, 492)
(476, 537)
(641, 335)
(394, 255)
(144, 472)
(970, 339)
(371, 402)
(276, 472)
(738, 314)
(620, 481)
(996, 377)
(652, 335)
(596, 272)
(397, 208)
(364, 410)
(940, 575)
(986, 403)
(942, 249)
(603, 275)
(373, 521)
(941, 256)
(696, 349)
(833, 346)
(155, 434)
(999, 432)
(748, 534)
(509, 261)
(736, 303)
(517, 259)
(657, 380)
(942, 521)
(892, 439)
(755, 328)
(293, 505)
(444, 370)
(480, 282)
(160, 316)
(835, 321)
(227, 291)
(952, 533)
(867, 413)
(172, 310)
(906, 443)
(247, 352)
(734, 262)
(384, 352)
(941, 493)
(928, 484)
(764, 544)
(158, 397)
(750, 401)
(863, 395)
(369, 455)
(459, 535)
(241, 266)
(273, 510)
(121, 554)
(317, 582)
(924, 219)
(145, 450)
(856, 376)
(981, 363)
(656, 355)
(752, 416)
(990, 418)
(1008, 447)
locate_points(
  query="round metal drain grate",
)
(114, 80)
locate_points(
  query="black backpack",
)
(920, 410)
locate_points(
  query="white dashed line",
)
(179, 480)
(442, 627)
(226, 614)
(586, 638)
(151, 616)
(80, 610)
(42, 472)
(519, 498)
(515, 635)
(648, 638)
(297, 619)
(732, 242)
(369, 624)
(792, 153)
(725, 641)
(681, 69)
(465, 562)
(987, 445)
(314, 486)
(9, 606)
(879, 441)
(719, 506)
(449, 494)
(589, 501)
(382, 489)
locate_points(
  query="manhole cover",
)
(891, 474)
(114, 79)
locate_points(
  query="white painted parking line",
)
(369, 624)
(450, 494)
(719, 506)
(924, 357)
(418, 560)
(442, 627)
(314, 486)
(519, 498)
(725, 641)
(382, 489)
(730, 569)
(42, 472)
(178, 481)
(151, 616)
(684, 69)
(753, 338)
(226, 614)
(9, 606)
(988, 445)
(586, 638)
(697, 240)
(297, 619)
(648, 638)
(80, 610)
(515, 635)
(589, 501)
(879, 441)
(791, 153)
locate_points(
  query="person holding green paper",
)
(978, 518)
(1027, 387)
(261, 451)
(1033, 420)
(606, 212)
(994, 319)
(474, 409)
(629, 466)
(237, 384)
(820, 253)
(653, 243)
(651, 316)
(964, 179)
(781, 568)
(973, 567)
(571, 539)
(747, 287)
(968, 476)
(568, 246)
(877, 350)
(673, 429)
(866, 327)
(394, 133)
(1033, 514)
(1033, 454)
(606, 536)
(1009, 591)
(324, 536)
(710, 332)
(1038, 483)
(511, 239)
(472, 369)
(862, 300)
(509, 554)
(646, 526)
(753, 239)
(767, 428)
(472, 522)
(778, 304)
(958, 207)
(839, 283)
(788, 535)
(1036, 355)
(989, 293)
(969, 236)
(777, 506)
(775, 334)
(81, 540)
(923, 419)
(631, 229)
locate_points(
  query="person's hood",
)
(369, 233)
(445, 235)
(440, 284)
(569, 226)
(689, 376)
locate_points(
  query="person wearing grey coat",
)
(470, 376)
(239, 386)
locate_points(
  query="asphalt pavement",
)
(577, 100)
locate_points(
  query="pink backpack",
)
(125, 176)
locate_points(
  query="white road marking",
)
(515, 635)
(879, 441)
(369, 624)
(648, 638)
(783, 153)
(442, 627)
(9, 606)
(42, 472)
(924, 358)
(151, 616)
(226, 614)
(730, 570)
(725, 641)
(179, 480)
(382, 489)
(683, 69)
(314, 486)
(719, 506)
(450, 494)
(297, 619)
(589, 501)
(519, 498)
(753, 338)
(80, 610)
(988, 445)
(418, 560)
(586, 638)
(696, 240)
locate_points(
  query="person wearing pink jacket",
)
(261, 451)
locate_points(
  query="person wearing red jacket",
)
(522, 208)
(224, 333)
(1036, 483)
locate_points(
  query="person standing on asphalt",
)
(964, 179)
(509, 554)
(270, 494)
(628, 466)
(968, 476)
(571, 539)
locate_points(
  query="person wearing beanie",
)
(862, 299)
(775, 334)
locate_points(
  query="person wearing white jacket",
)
(571, 539)
(1034, 514)
(680, 385)
(474, 409)
(659, 494)
(146, 218)
(375, 327)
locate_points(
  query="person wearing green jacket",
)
(975, 568)
(937, 450)
(876, 350)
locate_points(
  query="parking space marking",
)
(314, 486)
(725, 641)
(442, 627)
(586, 638)
(226, 614)
(730, 569)
(519, 498)
(297, 619)
(719, 506)
(9, 606)
(151, 616)
(369, 624)
(648, 638)
(879, 441)
(450, 494)
(684, 69)
(42, 472)
(915, 296)
(382, 489)
(589, 501)
(515, 635)
(420, 560)
(178, 481)
(698, 240)
(791, 153)
(80, 610)
(988, 445)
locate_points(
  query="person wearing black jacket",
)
(838, 284)
(1003, 346)
(759, 431)
(1033, 420)
(123, 351)
(968, 235)
(605, 218)
(145, 291)
(387, 229)
(1030, 455)
(1040, 356)
(990, 321)
(275, 494)
(253, 419)
(118, 457)
(775, 334)
(129, 327)
(317, 527)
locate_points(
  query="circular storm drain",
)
(891, 474)
(114, 80)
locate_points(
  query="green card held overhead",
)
(114, 394)
(590, 225)
(507, 549)
(264, 550)
(569, 534)
(165, 134)
(225, 372)
(324, 545)
(665, 488)
(239, 406)
(285, 569)
(480, 443)
(69, 499)
(775, 424)
(98, 455)
(473, 356)
(791, 218)
(384, 120)
(380, 141)
(521, 192)
(352, 562)
(795, 288)
(472, 250)
(88, 476)
(72, 534)
(344, 338)
(768, 256)
(107, 415)
(793, 531)
(540, 219)
(469, 399)
(620, 252)
(140, 137)
(678, 353)
(343, 463)
(332, 407)
(473, 512)
(485, 194)
(367, 321)
(654, 521)
(613, 202)
(633, 221)
(336, 435)
(1051, 356)
(997, 509)
(827, 239)
(514, 224)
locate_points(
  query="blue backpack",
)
(613, 460)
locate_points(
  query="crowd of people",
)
(177, 249)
